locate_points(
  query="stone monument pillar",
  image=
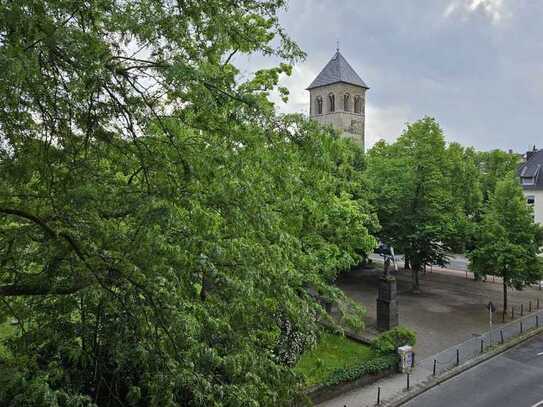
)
(387, 303)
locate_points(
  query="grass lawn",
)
(331, 353)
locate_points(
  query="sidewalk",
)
(391, 388)
(449, 362)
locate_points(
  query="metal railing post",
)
(434, 370)
(457, 357)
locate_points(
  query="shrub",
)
(369, 367)
(293, 341)
(389, 341)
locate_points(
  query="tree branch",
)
(16, 290)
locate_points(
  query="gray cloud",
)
(475, 65)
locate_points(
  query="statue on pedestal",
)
(387, 303)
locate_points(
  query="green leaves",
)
(509, 241)
(158, 220)
(411, 193)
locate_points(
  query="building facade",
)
(337, 97)
(531, 179)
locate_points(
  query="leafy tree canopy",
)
(415, 204)
(509, 241)
(159, 224)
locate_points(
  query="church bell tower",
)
(338, 98)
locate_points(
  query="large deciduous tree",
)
(463, 176)
(158, 222)
(412, 196)
(509, 241)
(494, 166)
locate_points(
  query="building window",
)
(357, 104)
(318, 104)
(528, 181)
(332, 102)
(347, 102)
(530, 199)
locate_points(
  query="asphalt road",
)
(457, 262)
(512, 379)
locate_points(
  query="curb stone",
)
(433, 382)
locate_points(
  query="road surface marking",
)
(540, 354)
(538, 404)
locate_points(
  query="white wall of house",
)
(538, 204)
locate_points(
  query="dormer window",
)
(331, 102)
(347, 102)
(358, 104)
(318, 104)
(528, 180)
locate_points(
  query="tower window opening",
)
(318, 104)
(332, 102)
(347, 102)
(357, 104)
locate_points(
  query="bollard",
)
(530, 306)
(501, 335)
(482, 345)
(407, 381)
(521, 310)
(537, 321)
(378, 396)
(521, 327)
(457, 357)
(435, 362)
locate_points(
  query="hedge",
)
(369, 367)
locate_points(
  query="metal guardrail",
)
(473, 347)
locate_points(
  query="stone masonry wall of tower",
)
(349, 123)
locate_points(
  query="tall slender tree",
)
(509, 240)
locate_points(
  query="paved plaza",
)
(450, 308)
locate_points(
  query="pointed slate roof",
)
(337, 70)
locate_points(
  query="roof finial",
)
(337, 45)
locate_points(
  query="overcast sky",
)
(474, 65)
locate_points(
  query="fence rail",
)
(477, 345)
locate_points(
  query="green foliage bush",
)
(389, 341)
(154, 235)
(17, 389)
(370, 367)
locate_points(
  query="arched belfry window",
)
(331, 102)
(357, 104)
(347, 102)
(318, 104)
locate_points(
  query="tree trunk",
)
(415, 271)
